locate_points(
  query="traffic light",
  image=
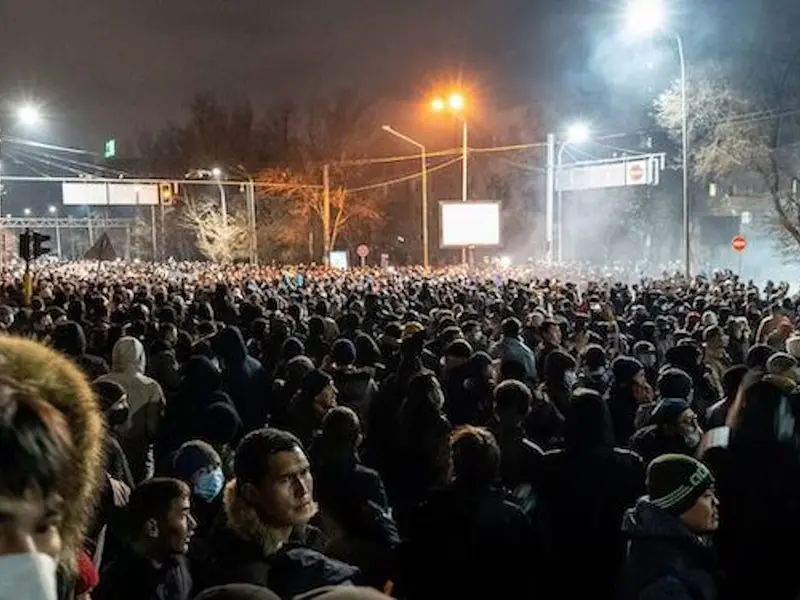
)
(25, 245)
(39, 249)
(166, 193)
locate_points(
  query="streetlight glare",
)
(578, 133)
(645, 17)
(437, 105)
(27, 212)
(216, 171)
(51, 210)
(456, 102)
(28, 114)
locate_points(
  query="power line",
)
(50, 163)
(405, 178)
(78, 163)
(31, 143)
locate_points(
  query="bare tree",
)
(219, 239)
(743, 138)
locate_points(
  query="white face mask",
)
(28, 575)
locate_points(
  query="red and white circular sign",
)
(362, 251)
(739, 243)
(636, 173)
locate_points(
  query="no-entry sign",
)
(739, 243)
(362, 251)
(636, 172)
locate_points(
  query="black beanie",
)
(668, 410)
(315, 382)
(674, 383)
(194, 456)
(675, 482)
(343, 352)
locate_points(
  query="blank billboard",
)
(469, 224)
(105, 194)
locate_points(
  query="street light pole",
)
(560, 205)
(424, 165)
(465, 153)
(687, 242)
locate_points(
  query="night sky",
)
(118, 67)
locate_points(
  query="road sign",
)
(110, 149)
(635, 173)
(362, 251)
(739, 243)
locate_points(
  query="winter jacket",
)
(164, 368)
(514, 349)
(651, 442)
(665, 560)
(244, 378)
(356, 390)
(70, 339)
(132, 577)
(247, 551)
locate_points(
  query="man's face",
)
(642, 390)
(703, 517)
(285, 497)
(553, 335)
(176, 529)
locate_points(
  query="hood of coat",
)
(645, 520)
(63, 385)
(245, 522)
(229, 344)
(128, 356)
(70, 339)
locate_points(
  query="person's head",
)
(559, 370)
(113, 402)
(238, 591)
(732, 380)
(551, 333)
(674, 383)
(199, 465)
(758, 355)
(168, 334)
(594, 359)
(341, 429)
(35, 447)
(714, 338)
(456, 354)
(319, 389)
(629, 374)
(476, 457)
(343, 352)
(273, 476)
(645, 353)
(512, 402)
(160, 522)
(676, 418)
(783, 365)
(511, 327)
(684, 488)
(588, 422)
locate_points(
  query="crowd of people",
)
(181, 431)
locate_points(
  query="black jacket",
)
(464, 543)
(132, 577)
(665, 560)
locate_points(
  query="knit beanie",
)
(343, 352)
(459, 348)
(674, 383)
(731, 380)
(194, 456)
(675, 482)
(315, 382)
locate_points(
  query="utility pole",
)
(153, 238)
(551, 184)
(251, 206)
(326, 214)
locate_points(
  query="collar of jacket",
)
(245, 522)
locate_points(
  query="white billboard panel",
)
(104, 194)
(469, 224)
(622, 172)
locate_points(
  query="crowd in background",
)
(180, 431)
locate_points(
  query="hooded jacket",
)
(70, 339)
(244, 378)
(249, 551)
(665, 560)
(64, 386)
(128, 367)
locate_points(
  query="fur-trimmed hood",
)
(244, 521)
(62, 384)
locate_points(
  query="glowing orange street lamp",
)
(456, 103)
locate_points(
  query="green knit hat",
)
(675, 482)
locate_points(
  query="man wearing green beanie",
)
(670, 553)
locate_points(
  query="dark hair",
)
(513, 395)
(341, 426)
(476, 456)
(511, 327)
(152, 500)
(35, 442)
(253, 455)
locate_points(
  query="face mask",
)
(570, 380)
(28, 575)
(726, 339)
(208, 484)
(692, 439)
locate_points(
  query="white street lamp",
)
(217, 173)
(645, 18)
(27, 212)
(29, 114)
(577, 133)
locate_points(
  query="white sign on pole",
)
(641, 170)
(105, 194)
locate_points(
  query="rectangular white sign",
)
(618, 173)
(93, 193)
(469, 224)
